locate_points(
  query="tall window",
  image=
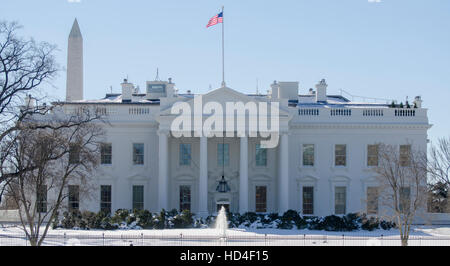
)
(105, 199)
(185, 198)
(372, 155)
(74, 198)
(405, 153)
(138, 153)
(106, 153)
(138, 197)
(185, 154)
(308, 200)
(261, 199)
(74, 154)
(405, 199)
(308, 154)
(340, 200)
(372, 200)
(41, 198)
(261, 156)
(340, 155)
(223, 154)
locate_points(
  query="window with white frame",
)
(372, 200)
(260, 155)
(404, 199)
(340, 200)
(308, 154)
(74, 153)
(261, 199)
(41, 198)
(372, 155)
(74, 197)
(138, 153)
(405, 155)
(185, 197)
(138, 197)
(308, 200)
(105, 199)
(185, 154)
(106, 153)
(340, 155)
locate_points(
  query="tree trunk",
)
(404, 241)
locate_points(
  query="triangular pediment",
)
(222, 96)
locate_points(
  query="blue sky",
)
(392, 49)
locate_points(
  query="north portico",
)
(240, 172)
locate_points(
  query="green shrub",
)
(369, 223)
(183, 220)
(144, 218)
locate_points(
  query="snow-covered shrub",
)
(183, 220)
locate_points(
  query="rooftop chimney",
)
(321, 91)
(127, 91)
(418, 102)
(274, 87)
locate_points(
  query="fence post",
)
(181, 239)
(304, 239)
(103, 239)
(65, 239)
(26, 239)
(381, 240)
(142, 237)
(265, 239)
(343, 240)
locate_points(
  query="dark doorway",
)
(227, 207)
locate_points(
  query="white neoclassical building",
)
(321, 166)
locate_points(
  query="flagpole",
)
(223, 48)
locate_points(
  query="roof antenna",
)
(257, 87)
(157, 75)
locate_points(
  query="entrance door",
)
(226, 205)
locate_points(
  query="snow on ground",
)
(421, 235)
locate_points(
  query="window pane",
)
(185, 198)
(308, 200)
(138, 197)
(261, 199)
(405, 153)
(74, 197)
(261, 156)
(405, 199)
(372, 200)
(138, 153)
(372, 155)
(340, 155)
(106, 153)
(340, 199)
(185, 154)
(74, 154)
(223, 154)
(308, 154)
(41, 199)
(105, 199)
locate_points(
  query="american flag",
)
(216, 19)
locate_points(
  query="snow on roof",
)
(308, 100)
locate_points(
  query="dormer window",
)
(156, 88)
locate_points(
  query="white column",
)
(203, 181)
(243, 176)
(283, 178)
(163, 171)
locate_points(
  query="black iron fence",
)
(142, 239)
